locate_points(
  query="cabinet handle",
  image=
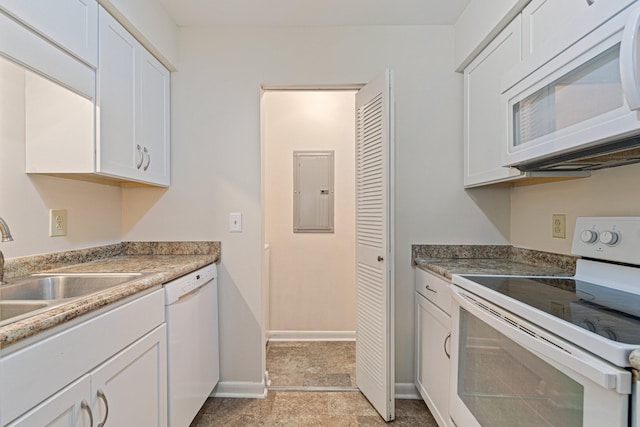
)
(146, 152)
(85, 407)
(430, 289)
(102, 396)
(448, 338)
(380, 259)
(139, 156)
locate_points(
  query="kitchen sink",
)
(10, 309)
(61, 286)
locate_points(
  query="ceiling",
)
(314, 12)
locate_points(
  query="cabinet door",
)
(152, 126)
(130, 389)
(71, 24)
(485, 115)
(433, 333)
(67, 408)
(116, 99)
(549, 26)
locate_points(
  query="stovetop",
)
(599, 308)
(610, 313)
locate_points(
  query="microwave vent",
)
(602, 156)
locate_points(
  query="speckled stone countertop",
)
(159, 262)
(446, 260)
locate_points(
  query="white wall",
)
(312, 274)
(216, 158)
(609, 192)
(93, 210)
(150, 23)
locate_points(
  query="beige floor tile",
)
(327, 380)
(287, 404)
(354, 403)
(287, 409)
(318, 361)
(327, 421)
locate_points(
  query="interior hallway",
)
(315, 364)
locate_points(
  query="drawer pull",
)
(430, 289)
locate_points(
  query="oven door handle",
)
(549, 348)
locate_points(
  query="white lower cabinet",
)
(69, 407)
(111, 369)
(128, 389)
(432, 345)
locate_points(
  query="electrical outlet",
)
(235, 222)
(57, 222)
(559, 226)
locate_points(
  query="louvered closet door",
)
(374, 243)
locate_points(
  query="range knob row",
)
(609, 238)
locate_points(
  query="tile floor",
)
(303, 408)
(302, 364)
(308, 366)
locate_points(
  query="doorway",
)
(309, 278)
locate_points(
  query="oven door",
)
(507, 372)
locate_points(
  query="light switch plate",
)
(57, 222)
(235, 222)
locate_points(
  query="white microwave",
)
(581, 109)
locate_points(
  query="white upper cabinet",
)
(108, 123)
(132, 108)
(116, 99)
(152, 119)
(71, 24)
(485, 124)
(550, 26)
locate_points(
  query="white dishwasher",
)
(191, 312)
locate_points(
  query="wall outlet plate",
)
(559, 226)
(57, 222)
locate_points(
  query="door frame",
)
(264, 282)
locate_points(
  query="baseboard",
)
(312, 335)
(240, 389)
(407, 391)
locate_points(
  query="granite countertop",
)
(158, 263)
(447, 260)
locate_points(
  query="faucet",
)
(5, 234)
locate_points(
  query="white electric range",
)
(552, 351)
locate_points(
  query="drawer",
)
(434, 288)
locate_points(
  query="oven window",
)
(503, 384)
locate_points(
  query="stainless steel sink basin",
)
(10, 309)
(61, 286)
(39, 292)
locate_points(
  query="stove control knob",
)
(610, 238)
(588, 325)
(589, 236)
